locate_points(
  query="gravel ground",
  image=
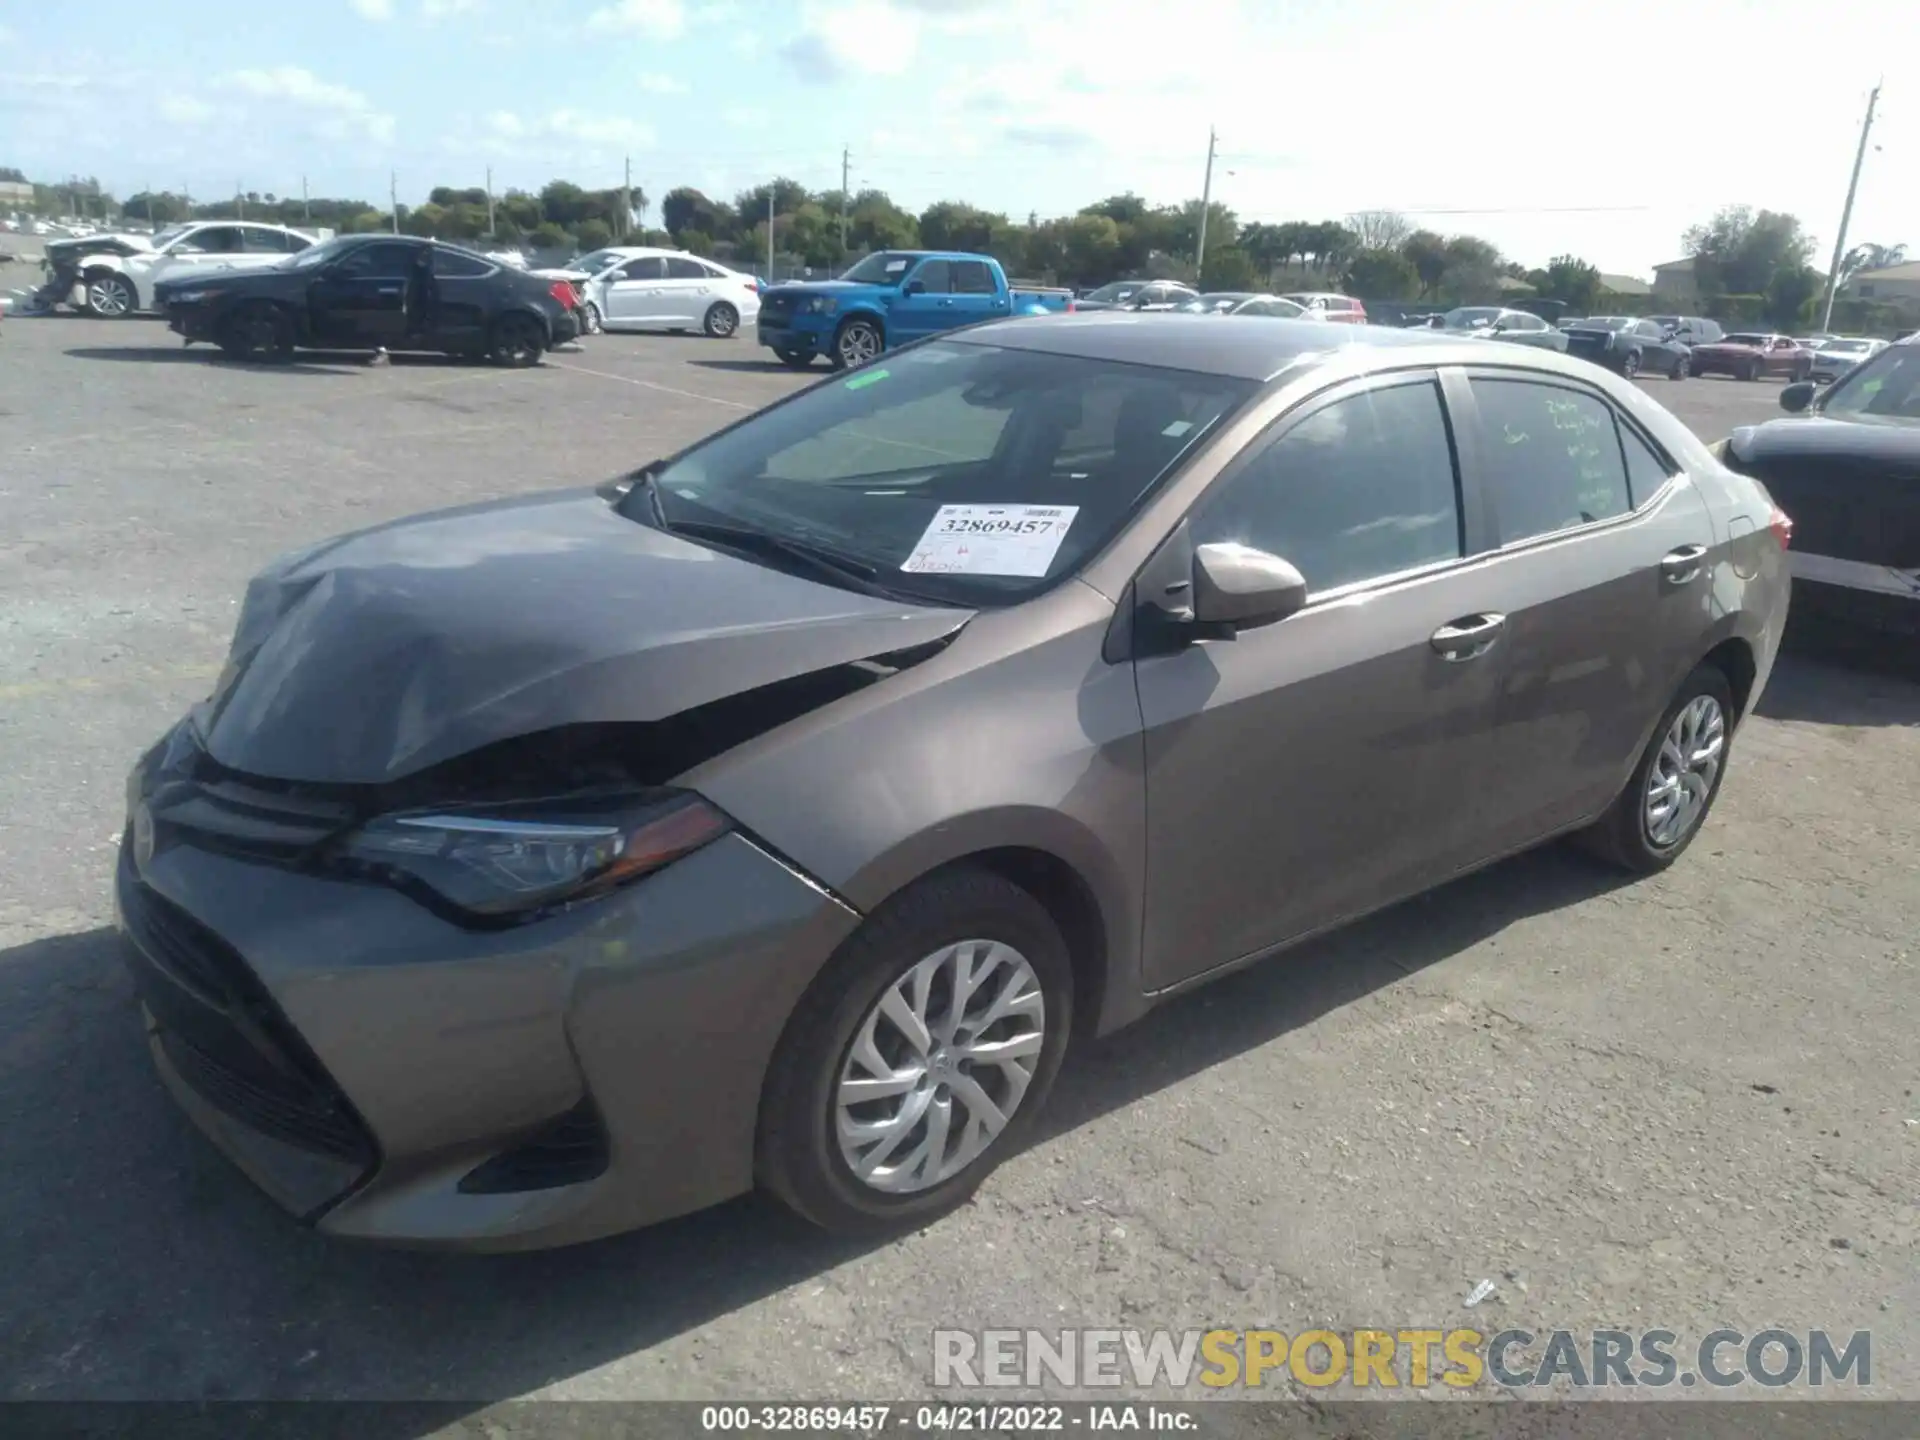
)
(1687, 1102)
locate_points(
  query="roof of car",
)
(1195, 342)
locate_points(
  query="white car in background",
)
(642, 287)
(111, 276)
(1835, 357)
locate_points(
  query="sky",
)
(1601, 128)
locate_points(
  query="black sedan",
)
(371, 292)
(1627, 346)
(1846, 471)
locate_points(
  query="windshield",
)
(167, 236)
(963, 474)
(884, 268)
(1119, 290)
(1210, 304)
(596, 262)
(1848, 347)
(1470, 318)
(318, 254)
(1606, 322)
(1888, 385)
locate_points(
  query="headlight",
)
(823, 305)
(186, 297)
(506, 860)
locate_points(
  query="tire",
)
(590, 321)
(1750, 371)
(722, 320)
(517, 341)
(110, 297)
(1681, 369)
(795, 359)
(803, 1157)
(259, 332)
(1627, 835)
(1630, 364)
(855, 343)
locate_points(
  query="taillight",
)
(1781, 524)
(1072, 304)
(564, 293)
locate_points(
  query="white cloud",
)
(373, 9)
(339, 111)
(744, 117)
(561, 130)
(442, 9)
(661, 19)
(185, 110)
(656, 84)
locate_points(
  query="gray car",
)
(544, 868)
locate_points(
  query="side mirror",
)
(914, 287)
(1797, 396)
(1239, 586)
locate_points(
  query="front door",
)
(633, 292)
(1602, 575)
(1314, 769)
(362, 298)
(924, 305)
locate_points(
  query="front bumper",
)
(190, 322)
(388, 1075)
(794, 334)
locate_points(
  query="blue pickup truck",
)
(889, 298)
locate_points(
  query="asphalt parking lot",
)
(1689, 1102)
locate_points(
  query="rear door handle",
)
(390, 289)
(1469, 637)
(1679, 567)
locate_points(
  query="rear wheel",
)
(1681, 369)
(260, 332)
(722, 320)
(111, 297)
(1673, 787)
(1750, 370)
(1630, 364)
(518, 341)
(920, 1057)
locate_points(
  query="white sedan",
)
(642, 288)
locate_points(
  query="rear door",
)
(260, 246)
(1604, 549)
(362, 297)
(685, 293)
(976, 294)
(633, 292)
(1310, 770)
(463, 285)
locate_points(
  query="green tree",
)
(1379, 229)
(1092, 245)
(548, 236)
(878, 224)
(1380, 274)
(1472, 272)
(594, 234)
(1739, 252)
(1230, 268)
(563, 202)
(1860, 257)
(1223, 228)
(1569, 278)
(167, 208)
(956, 225)
(1427, 253)
(686, 208)
(1791, 293)
(788, 196)
(423, 220)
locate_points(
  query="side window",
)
(295, 243)
(1551, 456)
(972, 277)
(215, 240)
(1646, 471)
(1648, 331)
(647, 267)
(680, 268)
(934, 276)
(257, 241)
(452, 265)
(1361, 488)
(379, 261)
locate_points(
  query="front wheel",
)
(590, 322)
(920, 1057)
(111, 297)
(1673, 787)
(1630, 364)
(1681, 369)
(721, 321)
(1750, 370)
(259, 332)
(518, 341)
(858, 342)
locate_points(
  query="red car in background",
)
(1750, 354)
(1341, 309)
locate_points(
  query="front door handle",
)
(1469, 637)
(1682, 566)
(390, 289)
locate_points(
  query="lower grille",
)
(568, 1151)
(289, 1112)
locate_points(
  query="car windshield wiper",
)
(823, 560)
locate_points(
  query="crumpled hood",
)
(374, 656)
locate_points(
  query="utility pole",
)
(239, 202)
(393, 198)
(1206, 199)
(626, 200)
(150, 224)
(846, 162)
(491, 232)
(770, 235)
(306, 206)
(1846, 214)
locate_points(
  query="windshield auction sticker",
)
(992, 540)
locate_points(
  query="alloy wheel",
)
(1681, 779)
(722, 321)
(110, 298)
(939, 1066)
(859, 344)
